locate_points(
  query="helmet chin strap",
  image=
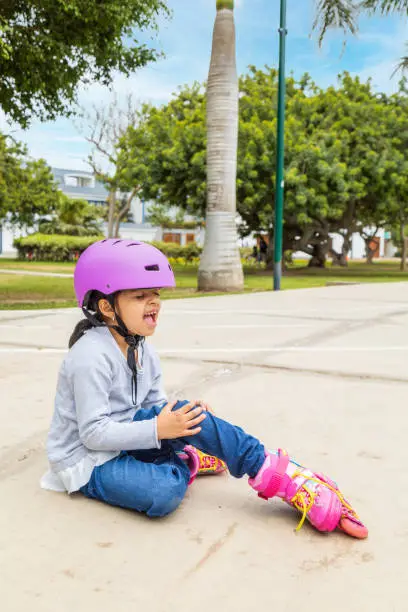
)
(132, 340)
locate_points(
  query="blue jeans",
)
(155, 481)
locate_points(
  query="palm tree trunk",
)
(220, 267)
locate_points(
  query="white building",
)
(78, 184)
(383, 244)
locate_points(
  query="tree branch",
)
(124, 210)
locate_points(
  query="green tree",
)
(352, 117)
(341, 147)
(161, 215)
(166, 152)
(49, 47)
(27, 187)
(73, 217)
(397, 169)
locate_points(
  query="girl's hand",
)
(180, 423)
(206, 407)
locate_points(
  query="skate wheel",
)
(355, 530)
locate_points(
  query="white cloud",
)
(381, 65)
(144, 86)
(382, 76)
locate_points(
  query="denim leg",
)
(156, 489)
(152, 481)
(242, 453)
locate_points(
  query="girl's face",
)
(139, 309)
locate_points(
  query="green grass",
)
(33, 292)
(37, 266)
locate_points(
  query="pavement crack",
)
(212, 550)
(205, 378)
(19, 457)
(361, 376)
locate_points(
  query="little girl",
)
(114, 437)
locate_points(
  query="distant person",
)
(263, 249)
(115, 437)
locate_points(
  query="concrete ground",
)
(321, 372)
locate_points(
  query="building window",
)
(75, 180)
(84, 181)
(172, 237)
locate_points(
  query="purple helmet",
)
(115, 265)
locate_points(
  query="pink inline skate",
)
(317, 497)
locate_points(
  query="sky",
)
(186, 41)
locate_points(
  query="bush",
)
(44, 247)
(174, 251)
(56, 247)
(57, 227)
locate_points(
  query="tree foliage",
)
(345, 167)
(27, 188)
(73, 217)
(166, 152)
(50, 47)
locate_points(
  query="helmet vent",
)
(134, 244)
(154, 268)
(116, 242)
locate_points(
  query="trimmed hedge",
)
(175, 251)
(52, 247)
(56, 247)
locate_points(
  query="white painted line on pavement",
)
(36, 273)
(249, 326)
(292, 349)
(286, 311)
(273, 349)
(30, 349)
(7, 326)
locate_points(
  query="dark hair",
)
(80, 328)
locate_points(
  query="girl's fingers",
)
(192, 432)
(194, 413)
(204, 406)
(186, 408)
(196, 421)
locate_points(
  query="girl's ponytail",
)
(85, 324)
(79, 330)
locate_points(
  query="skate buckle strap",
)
(273, 486)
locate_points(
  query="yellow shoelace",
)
(303, 504)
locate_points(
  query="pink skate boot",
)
(316, 496)
(201, 463)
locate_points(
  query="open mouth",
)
(151, 317)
